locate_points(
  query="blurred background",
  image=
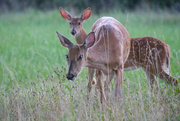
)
(33, 67)
(96, 5)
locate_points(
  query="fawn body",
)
(153, 56)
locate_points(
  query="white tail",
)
(106, 48)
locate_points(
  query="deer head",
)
(75, 22)
(77, 55)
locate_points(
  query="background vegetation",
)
(33, 67)
(98, 6)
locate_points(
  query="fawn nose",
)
(70, 76)
(73, 32)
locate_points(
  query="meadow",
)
(33, 68)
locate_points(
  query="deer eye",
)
(69, 23)
(80, 57)
(67, 57)
(79, 23)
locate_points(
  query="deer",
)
(77, 30)
(76, 24)
(157, 63)
(106, 48)
(153, 56)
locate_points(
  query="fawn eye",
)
(80, 57)
(69, 23)
(79, 23)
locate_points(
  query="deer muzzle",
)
(70, 77)
(73, 32)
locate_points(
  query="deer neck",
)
(96, 65)
(93, 62)
(81, 36)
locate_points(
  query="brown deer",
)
(148, 53)
(76, 24)
(77, 30)
(108, 52)
(153, 56)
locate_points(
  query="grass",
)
(33, 67)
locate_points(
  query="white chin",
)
(74, 79)
(76, 35)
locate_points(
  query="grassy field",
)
(33, 67)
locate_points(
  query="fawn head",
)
(75, 22)
(76, 56)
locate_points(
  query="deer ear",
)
(64, 41)
(86, 14)
(90, 39)
(65, 14)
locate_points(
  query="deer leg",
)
(106, 88)
(168, 78)
(108, 84)
(100, 85)
(89, 86)
(119, 78)
(152, 79)
(102, 93)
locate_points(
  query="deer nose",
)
(73, 32)
(70, 76)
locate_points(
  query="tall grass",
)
(33, 67)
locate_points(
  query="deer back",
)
(148, 52)
(112, 42)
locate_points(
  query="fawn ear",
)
(65, 14)
(86, 14)
(90, 39)
(64, 41)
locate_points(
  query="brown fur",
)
(139, 57)
(107, 54)
(152, 55)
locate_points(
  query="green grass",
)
(33, 67)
